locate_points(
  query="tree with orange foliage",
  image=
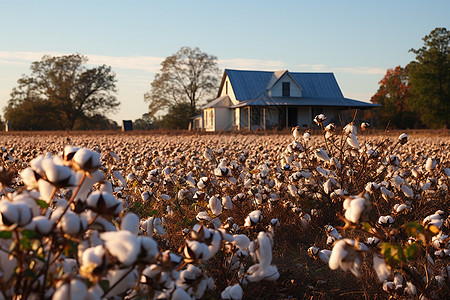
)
(393, 94)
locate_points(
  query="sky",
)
(356, 40)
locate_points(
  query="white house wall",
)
(230, 94)
(277, 89)
(223, 118)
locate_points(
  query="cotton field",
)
(335, 213)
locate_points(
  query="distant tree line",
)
(61, 93)
(418, 95)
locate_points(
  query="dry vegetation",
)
(394, 189)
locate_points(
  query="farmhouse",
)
(259, 100)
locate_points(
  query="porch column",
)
(249, 119)
(264, 116)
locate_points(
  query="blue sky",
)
(356, 40)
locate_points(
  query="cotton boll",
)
(322, 155)
(381, 268)
(410, 289)
(324, 255)
(345, 256)
(29, 178)
(123, 245)
(130, 222)
(148, 248)
(352, 140)
(430, 164)
(355, 207)
(253, 218)
(120, 178)
(407, 191)
(227, 203)
(264, 250)
(241, 241)
(124, 282)
(103, 203)
(71, 223)
(86, 160)
(233, 292)
(158, 227)
(215, 205)
(75, 289)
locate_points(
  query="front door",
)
(292, 117)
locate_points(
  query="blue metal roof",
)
(318, 89)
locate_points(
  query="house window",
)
(286, 89)
(226, 87)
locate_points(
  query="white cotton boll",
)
(233, 292)
(381, 268)
(130, 222)
(215, 205)
(387, 194)
(385, 220)
(195, 250)
(350, 129)
(29, 178)
(407, 191)
(397, 180)
(322, 155)
(148, 247)
(165, 197)
(398, 280)
(322, 171)
(71, 223)
(324, 255)
(410, 289)
(447, 172)
(103, 203)
(42, 225)
(87, 160)
(215, 243)
(122, 244)
(241, 241)
(76, 289)
(344, 256)
(124, 282)
(327, 186)
(203, 215)
(227, 203)
(264, 251)
(400, 208)
(426, 186)
(430, 164)
(352, 140)
(46, 190)
(158, 227)
(148, 226)
(354, 207)
(253, 218)
(120, 178)
(93, 256)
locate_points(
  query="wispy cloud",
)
(144, 63)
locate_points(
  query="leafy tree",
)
(63, 88)
(187, 77)
(144, 123)
(178, 117)
(393, 94)
(429, 77)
